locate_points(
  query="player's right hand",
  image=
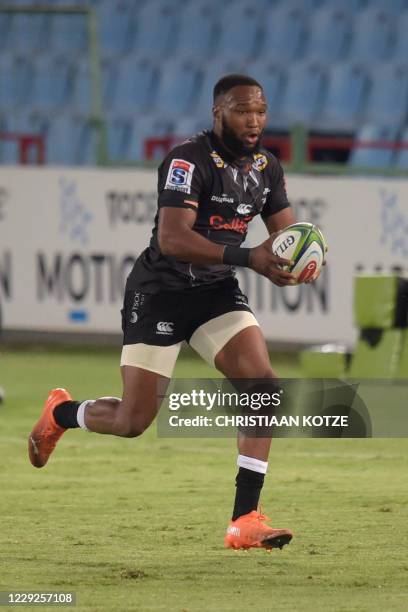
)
(264, 262)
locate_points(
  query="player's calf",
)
(109, 415)
(106, 415)
(133, 427)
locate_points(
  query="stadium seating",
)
(400, 52)
(199, 31)
(401, 157)
(16, 76)
(396, 6)
(5, 26)
(285, 33)
(374, 36)
(52, 82)
(241, 30)
(161, 40)
(177, 87)
(343, 106)
(303, 95)
(330, 35)
(24, 3)
(68, 35)
(321, 62)
(70, 140)
(353, 6)
(81, 97)
(378, 157)
(61, 140)
(119, 134)
(118, 28)
(187, 126)
(143, 128)
(29, 34)
(388, 99)
(133, 86)
(81, 86)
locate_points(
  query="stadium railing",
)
(96, 116)
(303, 145)
(295, 150)
(27, 145)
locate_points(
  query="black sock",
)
(249, 485)
(65, 414)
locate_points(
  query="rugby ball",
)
(305, 245)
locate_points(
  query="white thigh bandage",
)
(211, 337)
(159, 359)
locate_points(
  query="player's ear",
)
(216, 111)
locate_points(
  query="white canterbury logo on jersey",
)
(244, 209)
(165, 327)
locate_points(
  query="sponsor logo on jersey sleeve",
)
(180, 175)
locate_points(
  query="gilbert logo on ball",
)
(304, 244)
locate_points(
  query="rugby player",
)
(183, 287)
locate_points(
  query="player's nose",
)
(253, 120)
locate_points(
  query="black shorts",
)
(163, 319)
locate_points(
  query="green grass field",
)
(138, 524)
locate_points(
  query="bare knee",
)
(244, 365)
(256, 371)
(260, 370)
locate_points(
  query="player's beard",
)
(234, 144)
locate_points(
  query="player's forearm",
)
(280, 220)
(188, 245)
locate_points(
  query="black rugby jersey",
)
(229, 193)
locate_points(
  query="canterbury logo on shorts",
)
(165, 327)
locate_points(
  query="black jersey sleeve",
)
(181, 180)
(277, 198)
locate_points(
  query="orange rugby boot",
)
(46, 432)
(250, 531)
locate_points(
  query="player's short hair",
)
(229, 81)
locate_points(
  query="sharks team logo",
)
(260, 162)
(219, 162)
